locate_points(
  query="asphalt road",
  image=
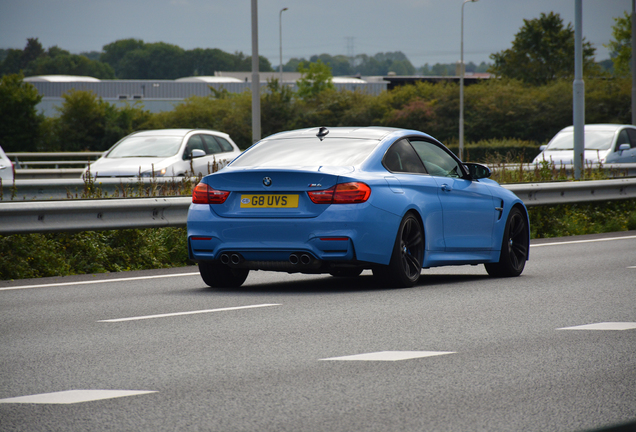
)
(158, 351)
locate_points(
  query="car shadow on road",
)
(323, 284)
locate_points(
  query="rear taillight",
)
(204, 194)
(343, 193)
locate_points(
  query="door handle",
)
(446, 188)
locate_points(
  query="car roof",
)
(371, 132)
(173, 132)
(600, 126)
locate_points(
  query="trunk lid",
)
(271, 193)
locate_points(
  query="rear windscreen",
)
(307, 152)
(594, 140)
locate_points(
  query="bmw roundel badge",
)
(267, 181)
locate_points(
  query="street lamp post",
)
(461, 87)
(280, 37)
(256, 81)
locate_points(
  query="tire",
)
(514, 247)
(405, 266)
(217, 275)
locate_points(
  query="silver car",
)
(166, 152)
(604, 143)
(6, 169)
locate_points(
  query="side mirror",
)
(478, 171)
(197, 153)
(623, 147)
(543, 147)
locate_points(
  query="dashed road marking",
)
(583, 241)
(604, 326)
(187, 313)
(74, 396)
(390, 355)
(98, 281)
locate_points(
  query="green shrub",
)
(578, 219)
(63, 254)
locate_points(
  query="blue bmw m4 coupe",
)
(342, 200)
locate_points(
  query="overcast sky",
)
(427, 31)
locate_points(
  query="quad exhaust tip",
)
(296, 258)
(231, 258)
(300, 258)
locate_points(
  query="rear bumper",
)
(342, 233)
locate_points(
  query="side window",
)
(402, 158)
(195, 142)
(225, 144)
(436, 160)
(623, 138)
(213, 145)
(632, 137)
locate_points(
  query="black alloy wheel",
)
(408, 253)
(514, 247)
(217, 275)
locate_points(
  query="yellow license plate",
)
(269, 201)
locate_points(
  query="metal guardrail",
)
(24, 160)
(48, 173)
(92, 215)
(609, 170)
(30, 165)
(105, 214)
(573, 192)
(59, 189)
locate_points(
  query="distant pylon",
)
(350, 50)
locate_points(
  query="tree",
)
(86, 122)
(17, 61)
(621, 46)
(114, 52)
(244, 63)
(19, 120)
(59, 61)
(34, 60)
(32, 52)
(154, 61)
(205, 62)
(340, 65)
(292, 64)
(314, 79)
(277, 108)
(542, 51)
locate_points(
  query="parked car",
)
(165, 152)
(6, 168)
(604, 143)
(341, 200)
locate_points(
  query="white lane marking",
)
(98, 281)
(188, 313)
(390, 355)
(583, 241)
(74, 396)
(604, 326)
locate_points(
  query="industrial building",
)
(163, 95)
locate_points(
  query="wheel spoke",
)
(520, 250)
(514, 260)
(414, 240)
(406, 234)
(412, 265)
(516, 227)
